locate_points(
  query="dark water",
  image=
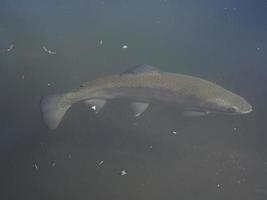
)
(213, 157)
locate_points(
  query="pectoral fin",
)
(95, 104)
(194, 113)
(54, 108)
(139, 108)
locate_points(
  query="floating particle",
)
(48, 84)
(44, 48)
(48, 50)
(174, 132)
(258, 48)
(22, 76)
(10, 47)
(51, 52)
(101, 162)
(93, 107)
(125, 47)
(53, 164)
(101, 42)
(35, 167)
(123, 172)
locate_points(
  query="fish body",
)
(143, 85)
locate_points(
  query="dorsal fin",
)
(142, 69)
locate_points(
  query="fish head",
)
(229, 103)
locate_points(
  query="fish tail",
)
(53, 108)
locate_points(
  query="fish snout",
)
(232, 106)
(243, 108)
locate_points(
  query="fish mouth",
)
(232, 111)
(248, 110)
(241, 110)
(244, 108)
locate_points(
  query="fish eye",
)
(232, 110)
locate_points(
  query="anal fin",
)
(139, 108)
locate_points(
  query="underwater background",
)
(53, 46)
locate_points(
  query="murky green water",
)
(164, 155)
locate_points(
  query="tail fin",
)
(53, 108)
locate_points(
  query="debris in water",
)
(36, 167)
(22, 76)
(10, 47)
(174, 132)
(124, 46)
(258, 48)
(101, 162)
(94, 108)
(53, 164)
(48, 84)
(123, 172)
(45, 49)
(49, 51)
(101, 42)
(52, 52)
(235, 129)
